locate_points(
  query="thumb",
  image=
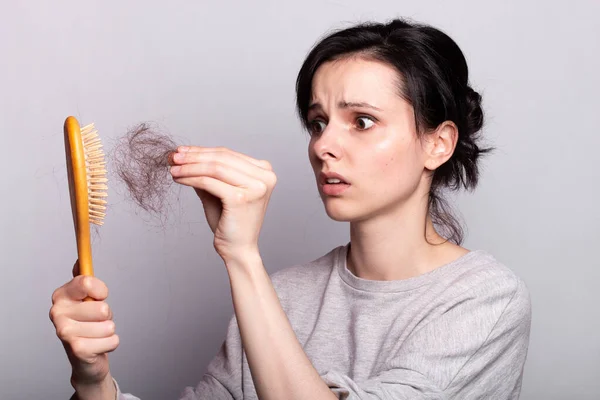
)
(207, 199)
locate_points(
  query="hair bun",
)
(474, 114)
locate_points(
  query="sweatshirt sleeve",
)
(223, 378)
(475, 349)
(123, 396)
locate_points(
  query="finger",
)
(82, 286)
(69, 330)
(219, 157)
(87, 348)
(89, 311)
(185, 150)
(170, 160)
(215, 187)
(65, 294)
(217, 170)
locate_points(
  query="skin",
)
(375, 146)
(377, 150)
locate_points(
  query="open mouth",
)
(333, 186)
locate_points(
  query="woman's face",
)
(363, 133)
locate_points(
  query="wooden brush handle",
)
(78, 189)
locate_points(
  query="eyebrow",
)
(345, 104)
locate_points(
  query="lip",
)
(336, 189)
(323, 176)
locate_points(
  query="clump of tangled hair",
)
(140, 159)
(434, 79)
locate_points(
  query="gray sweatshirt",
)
(460, 331)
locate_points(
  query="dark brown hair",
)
(140, 159)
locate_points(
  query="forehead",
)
(355, 79)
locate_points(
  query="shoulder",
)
(479, 295)
(480, 269)
(482, 278)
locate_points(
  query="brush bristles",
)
(96, 174)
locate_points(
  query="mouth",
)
(333, 184)
(332, 178)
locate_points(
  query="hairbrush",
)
(86, 169)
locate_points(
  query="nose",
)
(328, 144)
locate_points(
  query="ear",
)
(440, 144)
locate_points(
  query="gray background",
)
(222, 73)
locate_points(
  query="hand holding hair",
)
(234, 189)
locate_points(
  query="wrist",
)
(245, 267)
(101, 390)
(246, 258)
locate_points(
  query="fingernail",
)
(183, 148)
(175, 169)
(170, 158)
(178, 157)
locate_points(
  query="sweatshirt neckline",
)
(400, 285)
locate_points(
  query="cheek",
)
(397, 161)
(388, 155)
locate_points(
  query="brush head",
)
(86, 167)
(95, 166)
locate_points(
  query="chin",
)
(340, 212)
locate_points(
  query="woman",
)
(402, 311)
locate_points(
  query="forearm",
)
(279, 366)
(104, 390)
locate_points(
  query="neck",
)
(394, 246)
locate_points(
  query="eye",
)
(317, 127)
(364, 123)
